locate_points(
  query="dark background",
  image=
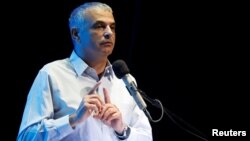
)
(192, 56)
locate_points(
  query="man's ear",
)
(74, 34)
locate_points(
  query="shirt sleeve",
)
(37, 121)
(140, 127)
(139, 124)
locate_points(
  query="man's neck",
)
(98, 65)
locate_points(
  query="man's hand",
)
(90, 103)
(110, 114)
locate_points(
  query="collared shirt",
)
(57, 92)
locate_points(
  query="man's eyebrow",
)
(99, 22)
(102, 22)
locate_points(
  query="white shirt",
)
(57, 92)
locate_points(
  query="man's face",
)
(97, 36)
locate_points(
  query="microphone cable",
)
(157, 103)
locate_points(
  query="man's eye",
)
(112, 28)
(99, 26)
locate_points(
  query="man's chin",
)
(107, 51)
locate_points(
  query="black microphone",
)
(122, 72)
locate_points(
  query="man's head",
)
(92, 28)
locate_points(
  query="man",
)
(80, 98)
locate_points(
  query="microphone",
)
(122, 72)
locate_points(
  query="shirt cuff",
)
(63, 126)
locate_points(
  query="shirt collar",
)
(80, 66)
(109, 70)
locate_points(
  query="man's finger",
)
(106, 96)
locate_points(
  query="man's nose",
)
(108, 32)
